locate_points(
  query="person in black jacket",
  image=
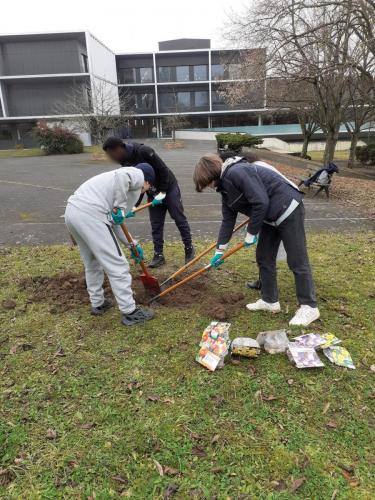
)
(165, 194)
(274, 205)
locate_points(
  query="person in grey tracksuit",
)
(91, 216)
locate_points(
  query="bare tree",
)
(96, 108)
(312, 42)
(358, 111)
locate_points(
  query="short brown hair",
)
(207, 169)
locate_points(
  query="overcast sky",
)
(123, 25)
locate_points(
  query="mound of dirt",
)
(66, 290)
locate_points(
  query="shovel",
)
(199, 256)
(150, 283)
(197, 273)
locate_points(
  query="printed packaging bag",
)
(303, 357)
(330, 340)
(310, 340)
(214, 345)
(245, 346)
(339, 356)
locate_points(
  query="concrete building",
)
(39, 74)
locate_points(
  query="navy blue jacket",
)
(253, 190)
(140, 153)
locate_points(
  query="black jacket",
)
(259, 192)
(139, 153)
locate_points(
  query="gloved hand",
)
(250, 240)
(130, 214)
(158, 200)
(216, 260)
(118, 217)
(137, 258)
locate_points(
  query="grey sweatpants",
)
(101, 254)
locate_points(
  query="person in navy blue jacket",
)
(275, 207)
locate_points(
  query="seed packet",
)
(216, 329)
(273, 341)
(339, 356)
(330, 340)
(214, 345)
(208, 359)
(310, 340)
(245, 346)
(303, 357)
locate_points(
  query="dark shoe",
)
(189, 254)
(139, 315)
(157, 261)
(254, 285)
(98, 311)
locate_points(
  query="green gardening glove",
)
(137, 258)
(130, 214)
(118, 217)
(217, 260)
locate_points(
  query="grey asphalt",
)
(33, 193)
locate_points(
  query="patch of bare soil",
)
(66, 290)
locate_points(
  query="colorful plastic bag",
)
(339, 356)
(313, 340)
(303, 357)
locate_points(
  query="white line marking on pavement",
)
(35, 185)
(353, 220)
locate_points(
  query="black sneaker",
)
(98, 311)
(189, 254)
(157, 261)
(139, 315)
(254, 285)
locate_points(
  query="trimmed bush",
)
(57, 140)
(365, 154)
(237, 141)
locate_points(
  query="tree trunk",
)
(353, 145)
(331, 141)
(306, 141)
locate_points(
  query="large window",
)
(182, 74)
(200, 72)
(135, 75)
(183, 100)
(145, 75)
(201, 99)
(217, 72)
(165, 74)
(167, 102)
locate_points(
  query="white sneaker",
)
(260, 305)
(304, 316)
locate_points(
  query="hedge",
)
(366, 154)
(57, 140)
(237, 141)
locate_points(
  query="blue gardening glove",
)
(118, 217)
(137, 258)
(250, 240)
(217, 260)
(158, 200)
(130, 214)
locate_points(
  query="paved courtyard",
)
(33, 193)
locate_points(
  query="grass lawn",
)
(21, 153)
(90, 409)
(318, 155)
